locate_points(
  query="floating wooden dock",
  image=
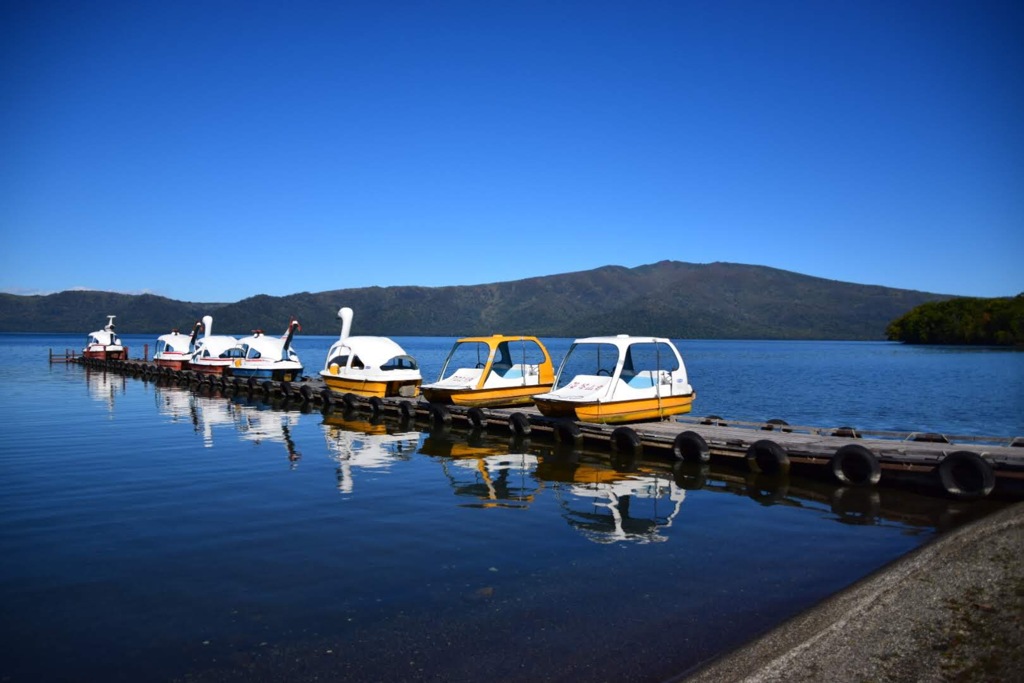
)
(963, 466)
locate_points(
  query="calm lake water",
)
(148, 532)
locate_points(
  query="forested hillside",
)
(993, 322)
(670, 298)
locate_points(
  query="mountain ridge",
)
(668, 298)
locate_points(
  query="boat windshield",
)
(648, 357)
(400, 363)
(522, 352)
(474, 354)
(587, 359)
(468, 354)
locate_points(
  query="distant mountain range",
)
(669, 298)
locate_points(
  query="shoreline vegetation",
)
(963, 321)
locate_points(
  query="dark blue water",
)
(152, 533)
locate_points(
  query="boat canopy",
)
(637, 361)
(176, 342)
(260, 345)
(106, 336)
(214, 346)
(369, 353)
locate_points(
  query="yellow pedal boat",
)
(492, 371)
(369, 366)
(619, 379)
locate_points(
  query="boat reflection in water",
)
(607, 502)
(607, 506)
(103, 386)
(204, 413)
(255, 422)
(493, 472)
(356, 442)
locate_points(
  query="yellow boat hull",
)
(370, 389)
(607, 412)
(486, 398)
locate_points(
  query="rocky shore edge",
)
(951, 610)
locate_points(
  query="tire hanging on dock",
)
(407, 410)
(764, 456)
(568, 433)
(855, 465)
(626, 441)
(519, 424)
(376, 405)
(966, 475)
(626, 448)
(690, 446)
(439, 415)
(476, 418)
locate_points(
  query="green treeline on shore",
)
(987, 322)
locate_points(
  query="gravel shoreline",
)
(950, 611)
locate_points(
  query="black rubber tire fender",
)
(855, 465)
(407, 410)
(690, 446)
(519, 424)
(439, 415)
(568, 433)
(376, 405)
(476, 418)
(966, 475)
(764, 456)
(625, 441)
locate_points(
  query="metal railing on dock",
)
(69, 356)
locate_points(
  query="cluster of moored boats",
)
(618, 378)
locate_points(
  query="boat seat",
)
(518, 370)
(643, 380)
(513, 376)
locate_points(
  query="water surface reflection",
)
(205, 538)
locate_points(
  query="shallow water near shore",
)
(150, 532)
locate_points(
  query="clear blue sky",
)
(210, 151)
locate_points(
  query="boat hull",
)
(172, 363)
(120, 353)
(486, 398)
(209, 368)
(607, 412)
(371, 388)
(274, 374)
